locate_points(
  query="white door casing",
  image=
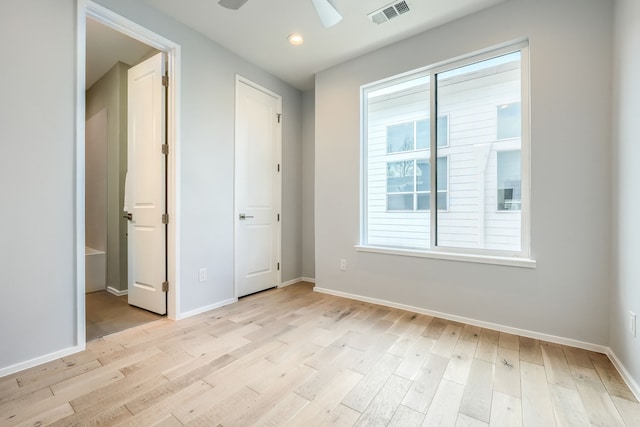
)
(257, 188)
(145, 193)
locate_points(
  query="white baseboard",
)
(289, 283)
(488, 325)
(116, 292)
(633, 385)
(40, 360)
(200, 310)
(294, 281)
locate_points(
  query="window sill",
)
(450, 256)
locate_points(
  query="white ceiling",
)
(258, 31)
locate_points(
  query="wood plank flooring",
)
(293, 357)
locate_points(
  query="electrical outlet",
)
(203, 275)
(632, 323)
(343, 264)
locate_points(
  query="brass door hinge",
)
(165, 218)
(165, 80)
(165, 149)
(165, 286)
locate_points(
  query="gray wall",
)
(567, 294)
(37, 117)
(308, 194)
(37, 224)
(625, 294)
(110, 92)
(292, 177)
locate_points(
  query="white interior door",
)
(145, 187)
(257, 187)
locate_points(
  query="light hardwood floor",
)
(294, 357)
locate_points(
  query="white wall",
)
(566, 295)
(625, 292)
(37, 117)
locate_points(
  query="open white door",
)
(145, 197)
(257, 186)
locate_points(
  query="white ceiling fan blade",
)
(327, 12)
(232, 4)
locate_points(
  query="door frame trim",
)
(89, 9)
(278, 97)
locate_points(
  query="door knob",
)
(128, 215)
(244, 216)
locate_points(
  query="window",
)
(479, 149)
(409, 185)
(415, 135)
(401, 137)
(509, 191)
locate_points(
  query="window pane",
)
(400, 177)
(400, 137)
(423, 134)
(443, 131)
(442, 173)
(392, 112)
(423, 175)
(442, 201)
(424, 201)
(509, 171)
(509, 121)
(423, 183)
(400, 202)
(469, 96)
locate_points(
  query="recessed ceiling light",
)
(295, 39)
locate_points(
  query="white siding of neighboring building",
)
(393, 228)
(472, 219)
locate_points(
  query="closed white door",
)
(146, 183)
(257, 188)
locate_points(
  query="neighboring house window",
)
(480, 148)
(442, 139)
(409, 185)
(424, 184)
(415, 135)
(509, 188)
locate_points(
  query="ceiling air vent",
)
(389, 12)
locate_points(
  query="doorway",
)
(258, 171)
(114, 293)
(118, 80)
